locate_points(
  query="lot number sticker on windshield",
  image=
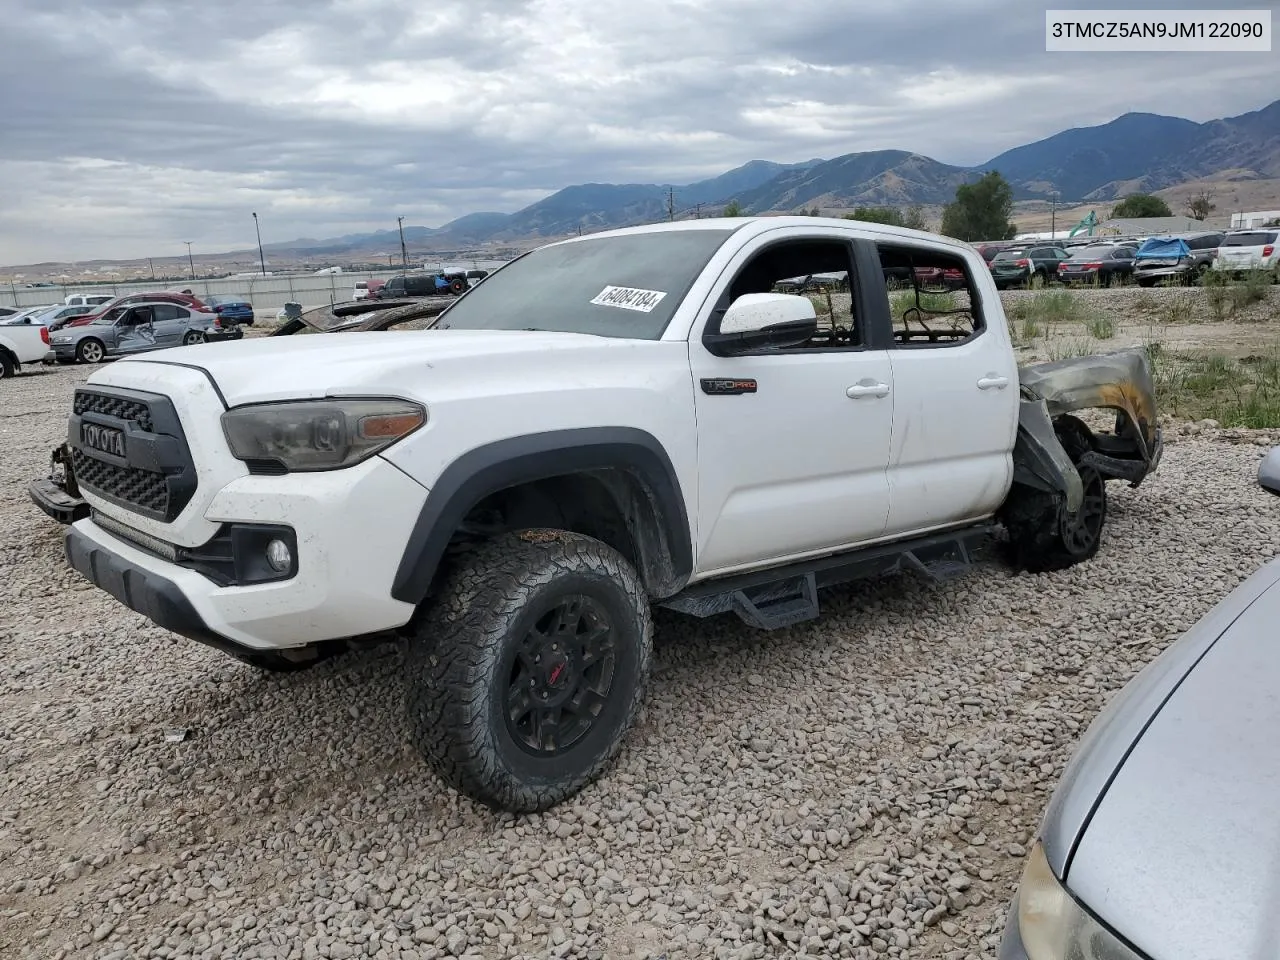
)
(628, 298)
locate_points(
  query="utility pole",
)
(671, 203)
(404, 253)
(697, 211)
(262, 257)
(153, 268)
(1053, 214)
(190, 262)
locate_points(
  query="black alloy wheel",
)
(561, 675)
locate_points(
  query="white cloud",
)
(141, 124)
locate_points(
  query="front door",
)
(135, 331)
(792, 443)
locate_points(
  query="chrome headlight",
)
(311, 435)
(1053, 926)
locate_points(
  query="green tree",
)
(981, 210)
(813, 212)
(1139, 205)
(914, 218)
(876, 215)
(732, 209)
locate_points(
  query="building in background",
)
(1247, 221)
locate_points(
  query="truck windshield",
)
(626, 286)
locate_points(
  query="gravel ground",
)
(864, 785)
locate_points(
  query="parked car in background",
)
(21, 343)
(1182, 259)
(988, 251)
(1022, 265)
(420, 285)
(231, 309)
(182, 299)
(88, 299)
(24, 314)
(360, 290)
(1103, 264)
(139, 328)
(1160, 842)
(47, 315)
(1243, 250)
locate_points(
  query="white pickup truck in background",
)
(21, 343)
(625, 419)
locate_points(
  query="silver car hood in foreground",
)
(1182, 855)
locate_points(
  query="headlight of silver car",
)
(310, 435)
(1053, 926)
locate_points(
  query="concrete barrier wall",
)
(267, 294)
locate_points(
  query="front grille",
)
(129, 485)
(122, 407)
(152, 473)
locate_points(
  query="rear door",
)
(955, 411)
(170, 323)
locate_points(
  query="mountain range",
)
(1134, 152)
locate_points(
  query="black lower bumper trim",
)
(56, 502)
(155, 597)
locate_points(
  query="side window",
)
(164, 311)
(182, 313)
(818, 269)
(939, 305)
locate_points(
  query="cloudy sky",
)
(130, 126)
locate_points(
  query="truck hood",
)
(1182, 855)
(274, 368)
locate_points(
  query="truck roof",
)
(754, 226)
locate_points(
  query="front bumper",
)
(1161, 273)
(351, 528)
(1011, 947)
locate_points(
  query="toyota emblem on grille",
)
(102, 439)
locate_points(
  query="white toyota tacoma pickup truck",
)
(606, 423)
(21, 343)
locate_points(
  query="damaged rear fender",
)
(1120, 382)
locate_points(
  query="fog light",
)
(278, 556)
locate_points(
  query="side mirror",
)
(1269, 472)
(757, 320)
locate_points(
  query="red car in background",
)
(166, 296)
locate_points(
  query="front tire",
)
(1043, 536)
(529, 668)
(90, 350)
(8, 367)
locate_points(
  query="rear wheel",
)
(192, 337)
(8, 366)
(1043, 535)
(529, 668)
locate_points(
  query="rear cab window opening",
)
(941, 306)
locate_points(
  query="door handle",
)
(867, 388)
(986, 383)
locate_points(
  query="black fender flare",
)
(653, 506)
